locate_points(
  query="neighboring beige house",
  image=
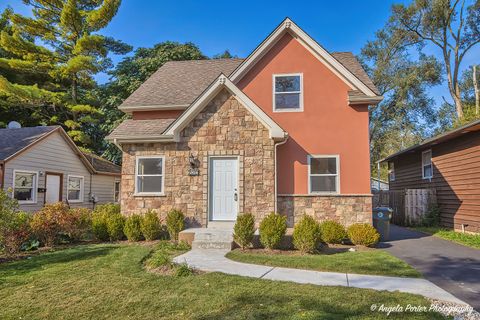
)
(43, 165)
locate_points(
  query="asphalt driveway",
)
(453, 267)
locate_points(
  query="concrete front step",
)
(225, 245)
(223, 225)
(208, 238)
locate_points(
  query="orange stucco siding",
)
(328, 125)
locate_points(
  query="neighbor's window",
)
(323, 174)
(75, 189)
(25, 185)
(427, 169)
(287, 92)
(149, 175)
(391, 171)
(116, 191)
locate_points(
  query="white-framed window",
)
(75, 188)
(324, 174)
(427, 168)
(149, 175)
(288, 92)
(25, 186)
(391, 171)
(116, 191)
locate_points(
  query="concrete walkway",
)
(453, 267)
(214, 260)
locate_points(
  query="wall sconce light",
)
(194, 164)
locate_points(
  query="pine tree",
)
(59, 50)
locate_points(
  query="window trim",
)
(274, 76)
(34, 187)
(390, 171)
(119, 188)
(162, 193)
(423, 165)
(82, 189)
(337, 180)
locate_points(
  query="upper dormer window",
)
(287, 92)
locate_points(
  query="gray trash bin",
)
(381, 221)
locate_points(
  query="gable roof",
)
(101, 165)
(13, 141)
(452, 134)
(342, 71)
(222, 82)
(176, 84)
(144, 130)
(349, 61)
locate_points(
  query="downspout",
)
(378, 174)
(275, 171)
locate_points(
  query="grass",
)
(108, 281)
(377, 262)
(466, 239)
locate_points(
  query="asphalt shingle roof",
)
(348, 60)
(140, 128)
(102, 165)
(14, 140)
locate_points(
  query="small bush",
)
(306, 235)
(175, 223)
(183, 270)
(48, 223)
(272, 229)
(363, 234)
(100, 219)
(132, 228)
(332, 232)
(14, 225)
(115, 224)
(77, 223)
(244, 230)
(431, 218)
(151, 226)
(159, 259)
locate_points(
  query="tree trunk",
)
(477, 91)
(74, 90)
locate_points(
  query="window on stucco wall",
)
(324, 175)
(287, 92)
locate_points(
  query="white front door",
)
(53, 183)
(224, 195)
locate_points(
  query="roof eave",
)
(365, 100)
(165, 107)
(140, 139)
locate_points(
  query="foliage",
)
(163, 253)
(14, 224)
(183, 270)
(272, 229)
(57, 50)
(175, 223)
(49, 222)
(150, 226)
(332, 232)
(363, 234)
(466, 239)
(115, 224)
(432, 217)
(30, 245)
(306, 234)
(77, 223)
(132, 228)
(100, 220)
(244, 230)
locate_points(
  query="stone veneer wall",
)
(346, 209)
(224, 127)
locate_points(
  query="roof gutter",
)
(365, 100)
(160, 107)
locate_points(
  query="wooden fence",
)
(409, 205)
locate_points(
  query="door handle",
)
(235, 196)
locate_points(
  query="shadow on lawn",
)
(25, 266)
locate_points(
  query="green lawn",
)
(466, 239)
(376, 262)
(109, 282)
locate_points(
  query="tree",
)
(451, 26)
(129, 74)
(225, 55)
(402, 117)
(60, 51)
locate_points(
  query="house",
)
(284, 130)
(43, 165)
(450, 164)
(378, 184)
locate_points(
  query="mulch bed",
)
(324, 249)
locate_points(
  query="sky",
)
(340, 25)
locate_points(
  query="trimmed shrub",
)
(48, 223)
(151, 226)
(175, 223)
(14, 225)
(332, 232)
(363, 234)
(132, 228)
(272, 229)
(244, 230)
(115, 224)
(77, 224)
(183, 270)
(306, 234)
(100, 219)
